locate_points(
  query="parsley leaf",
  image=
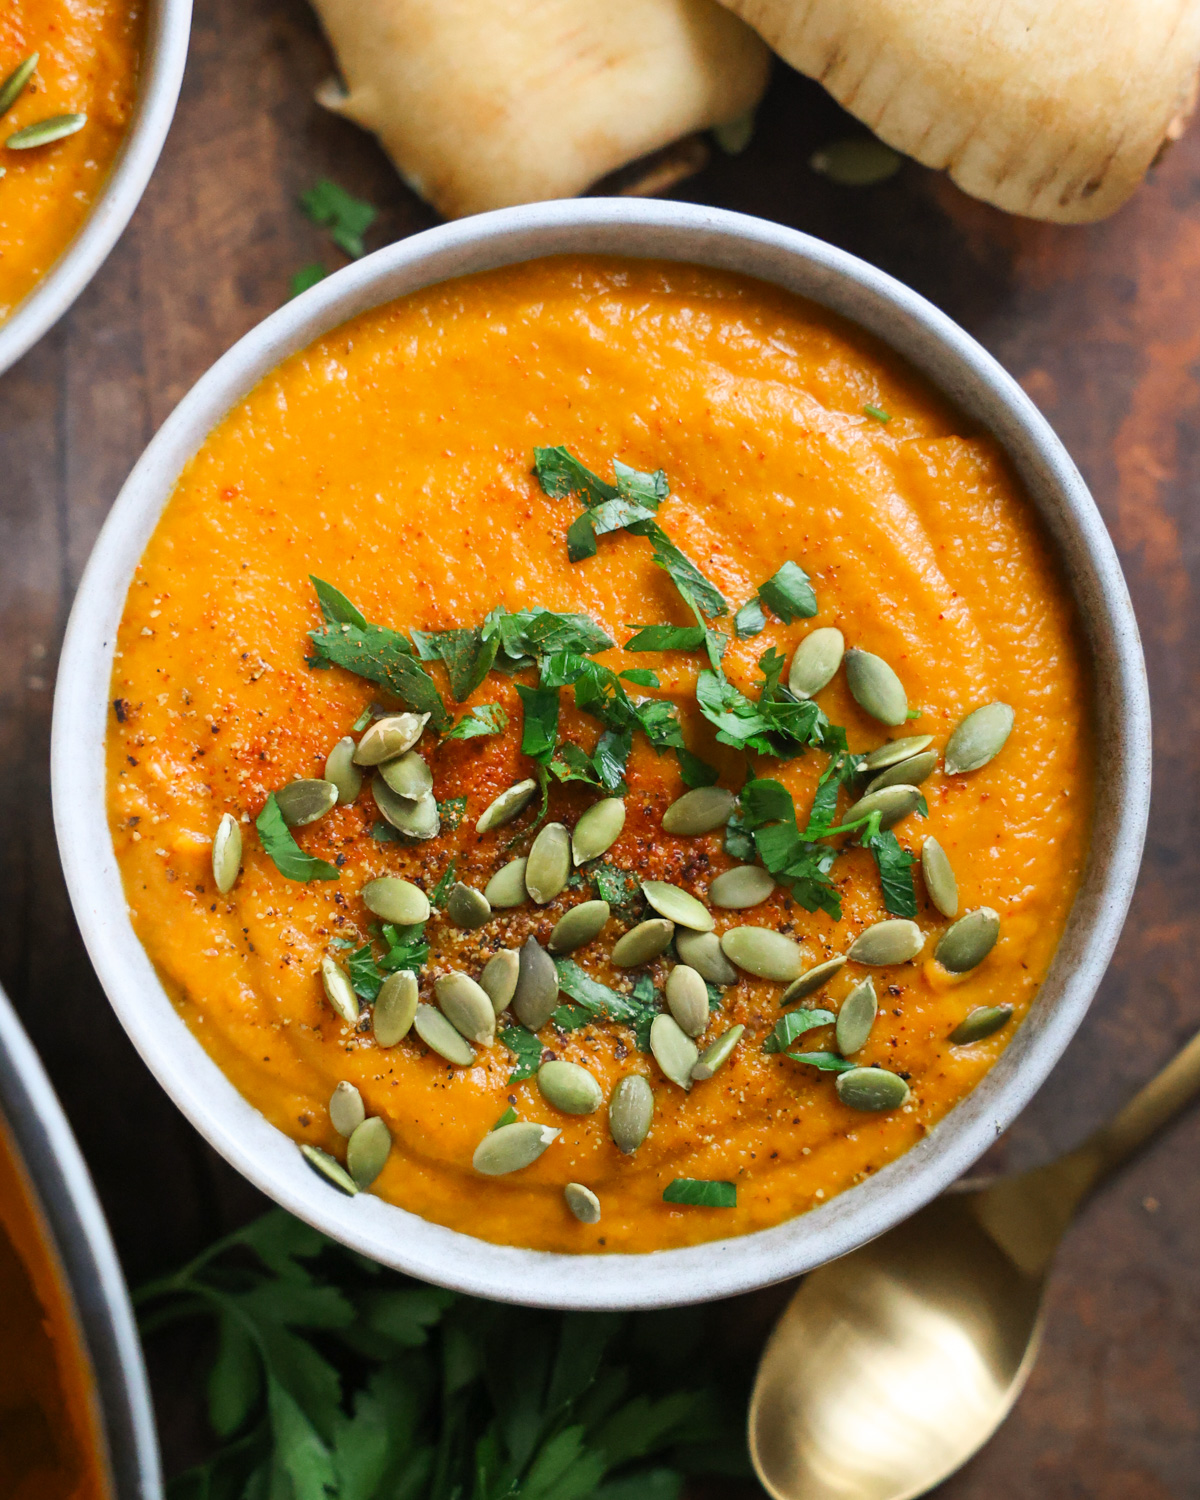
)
(789, 594)
(335, 607)
(695, 772)
(485, 718)
(535, 632)
(451, 812)
(444, 886)
(698, 1193)
(307, 276)
(288, 857)
(364, 972)
(509, 1117)
(380, 655)
(666, 638)
(539, 733)
(797, 863)
(739, 844)
(621, 889)
(468, 657)
(347, 218)
(895, 872)
(749, 620)
(827, 1062)
(697, 591)
(527, 1050)
(561, 474)
(406, 949)
(598, 1000)
(605, 767)
(649, 1005)
(795, 1024)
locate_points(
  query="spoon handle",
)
(1147, 1112)
(1027, 1215)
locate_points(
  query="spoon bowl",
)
(892, 1366)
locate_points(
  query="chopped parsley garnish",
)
(787, 593)
(895, 866)
(445, 885)
(695, 772)
(667, 638)
(794, 1025)
(827, 1062)
(374, 652)
(346, 217)
(288, 857)
(539, 733)
(621, 889)
(509, 1117)
(605, 767)
(467, 656)
(406, 949)
(527, 1050)
(486, 718)
(636, 1010)
(451, 812)
(698, 1193)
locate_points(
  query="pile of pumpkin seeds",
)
(468, 1007)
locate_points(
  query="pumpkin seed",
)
(598, 829)
(437, 1033)
(512, 1147)
(338, 990)
(580, 925)
(367, 1151)
(582, 1202)
(966, 944)
(395, 1007)
(891, 803)
(499, 978)
(346, 1109)
(507, 806)
(743, 886)
(678, 905)
(817, 658)
(763, 952)
(14, 84)
(856, 1017)
(630, 1112)
(702, 951)
(329, 1168)
(812, 979)
(467, 1006)
(467, 908)
(640, 944)
(408, 775)
(536, 993)
(910, 772)
(303, 802)
(939, 878)
(416, 820)
(341, 770)
(673, 1050)
(45, 131)
(983, 1021)
(896, 750)
(717, 1055)
(226, 853)
(506, 888)
(875, 687)
(396, 900)
(871, 1089)
(549, 864)
(893, 941)
(979, 738)
(701, 810)
(569, 1087)
(687, 999)
(389, 737)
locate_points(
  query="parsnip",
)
(484, 103)
(1051, 108)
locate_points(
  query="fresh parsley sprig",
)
(335, 1379)
(286, 854)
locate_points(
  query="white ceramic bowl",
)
(955, 364)
(167, 27)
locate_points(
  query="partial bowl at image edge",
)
(163, 58)
(978, 386)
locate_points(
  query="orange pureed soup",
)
(50, 1443)
(425, 461)
(88, 53)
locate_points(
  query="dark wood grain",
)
(1101, 325)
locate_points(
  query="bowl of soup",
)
(75, 1413)
(87, 94)
(602, 753)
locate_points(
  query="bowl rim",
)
(164, 55)
(957, 365)
(63, 1189)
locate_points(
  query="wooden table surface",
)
(1102, 327)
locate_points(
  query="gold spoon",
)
(892, 1366)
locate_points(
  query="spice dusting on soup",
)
(600, 755)
(68, 81)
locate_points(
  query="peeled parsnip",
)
(1051, 108)
(484, 103)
